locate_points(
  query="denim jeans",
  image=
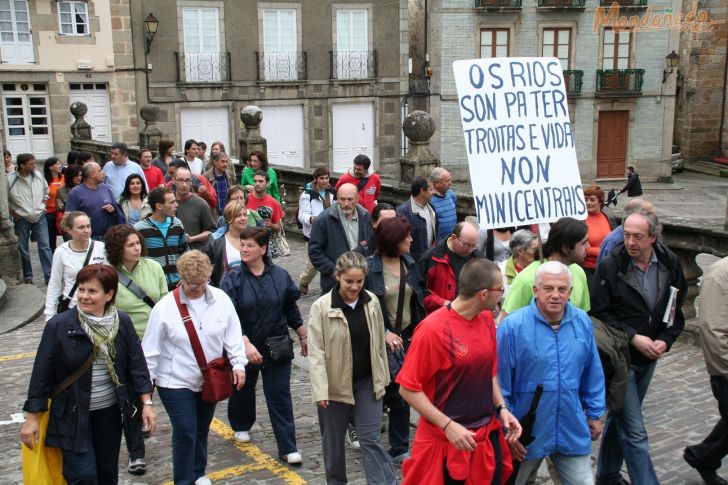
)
(100, 463)
(572, 470)
(714, 447)
(277, 391)
(52, 231)
(191, 418)
(624, 437)
(23, 229)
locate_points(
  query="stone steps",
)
(19, 305)
(707, 168)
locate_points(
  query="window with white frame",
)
(616, 49)
(203, 60)
(556, 43)
(280, 60)
(73, 18)
(352, 45)
(494, 42)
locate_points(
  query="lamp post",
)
(150, 29)
(671, 60)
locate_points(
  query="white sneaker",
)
(242, 436)
(203, 481)
(294, 458)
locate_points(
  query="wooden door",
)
(612, 144)
(353, 126)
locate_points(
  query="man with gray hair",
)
(616, 237)
(549, 343)
(639, 289)
(444, 201)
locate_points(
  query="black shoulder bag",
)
(134, 288)
(395, 358)
(64, 303)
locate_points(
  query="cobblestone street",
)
(679, 410)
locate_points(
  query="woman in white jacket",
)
(69, 259)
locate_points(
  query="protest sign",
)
(519, 141)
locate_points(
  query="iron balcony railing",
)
(620, 81)
(281, 66)
(353, 64)
(561, 4)
(573, 81)
(505, 4)
(624, 3)
(203, 67)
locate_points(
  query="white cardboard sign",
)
(519, 141)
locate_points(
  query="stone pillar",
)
(419, 159)
(149, 137)
(80, 130)
(250, 139)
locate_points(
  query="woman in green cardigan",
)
(126, 251)
(259, 161)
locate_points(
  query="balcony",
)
(281, 66)
(353, 65)
(573, 81)
(625, 4)
(203, 67)
(619, 82)
(561, 4)
(498, 5)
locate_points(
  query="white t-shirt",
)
(195, 166)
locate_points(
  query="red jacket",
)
(368, 194)
(439, 278)
(431, 448)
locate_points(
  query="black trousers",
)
(714, 447)
(133, 432)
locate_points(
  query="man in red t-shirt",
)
(268, 208)
(154, 176)
(450, 377)
(368, 186)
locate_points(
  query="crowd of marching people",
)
(514, 345)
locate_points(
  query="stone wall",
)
(122, 86)
(701, 99)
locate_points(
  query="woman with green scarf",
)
(86, 416)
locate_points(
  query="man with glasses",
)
(551, 343)
(639, 289)
(194, 212)
(450, 378)
(440, 266)
(567, 244)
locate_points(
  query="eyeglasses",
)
(194, 286)
(467, 245)
(501, 289)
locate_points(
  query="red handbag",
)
(217, 379)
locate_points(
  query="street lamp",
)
(150, 28)
(672, 60)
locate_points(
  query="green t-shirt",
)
(247, 179)
(149, 275)
(520, 292)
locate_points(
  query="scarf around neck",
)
(102, 334)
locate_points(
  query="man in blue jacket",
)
(551, 343)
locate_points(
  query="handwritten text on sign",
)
(521, 155)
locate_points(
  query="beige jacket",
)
(329, 351)
(713, 318)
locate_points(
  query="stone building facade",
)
(702, 108)
(328, 76)
(620, 108)
(54, 53)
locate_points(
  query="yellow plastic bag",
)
(41, 465)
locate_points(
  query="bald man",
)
(616, 237)
(345, 226)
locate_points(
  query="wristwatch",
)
(500, 408)
(148, 402)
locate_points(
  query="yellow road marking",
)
(25, 355)
(261, 460)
